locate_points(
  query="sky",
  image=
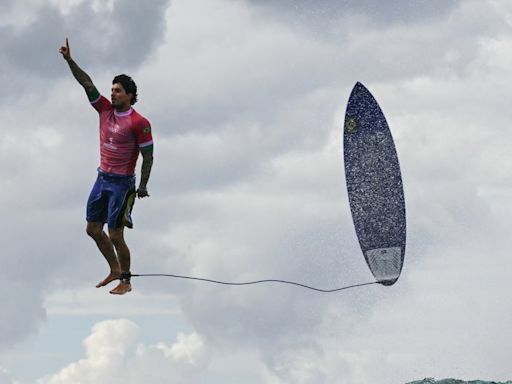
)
(247, 100)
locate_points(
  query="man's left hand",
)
(142, 192)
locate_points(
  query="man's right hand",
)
(64, 50)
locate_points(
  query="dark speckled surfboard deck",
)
(374, 185)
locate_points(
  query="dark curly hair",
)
(128, 85)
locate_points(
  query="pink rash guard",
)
(122, 135)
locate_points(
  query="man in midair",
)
(124, 134)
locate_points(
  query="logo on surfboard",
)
(351, 125)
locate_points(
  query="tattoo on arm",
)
(147, 163)
(82, 77)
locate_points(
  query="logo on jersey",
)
(114, 128)
(146, 130)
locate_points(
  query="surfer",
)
(124, 134)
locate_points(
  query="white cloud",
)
(5, 378)
(106, 349)
(113, 354)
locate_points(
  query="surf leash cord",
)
(252, 282)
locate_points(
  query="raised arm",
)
(83, 78)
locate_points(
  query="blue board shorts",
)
(111, 200)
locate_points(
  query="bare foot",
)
(121, 289)
(111, 277)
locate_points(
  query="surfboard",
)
(374, 185)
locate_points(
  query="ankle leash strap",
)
(125, 277)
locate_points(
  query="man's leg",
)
(123, 253)
(104, 243)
